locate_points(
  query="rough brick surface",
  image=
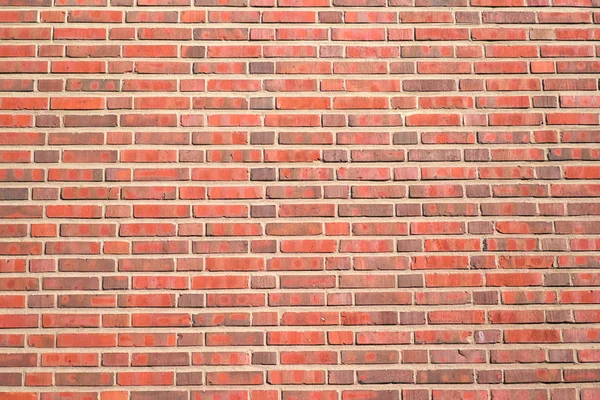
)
(299, 199)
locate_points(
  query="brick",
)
(152, 185)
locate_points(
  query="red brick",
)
(145, 221)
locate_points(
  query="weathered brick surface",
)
(299, 199)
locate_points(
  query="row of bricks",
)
(286, 229)
(339, 155)
(522, 244)
(299, 377)
(521, 335)
(588, 393)
(195, 300)
(241, 138)
(375, 34)
(516, 119)
(302, 67)
(300, 103)
(326, 85)
(309, 3)
(438, 16)
(329, 210)
(382, 280)
(311, 263)
(311, 85)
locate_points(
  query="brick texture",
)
(299, 199)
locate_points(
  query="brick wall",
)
(301, 200)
